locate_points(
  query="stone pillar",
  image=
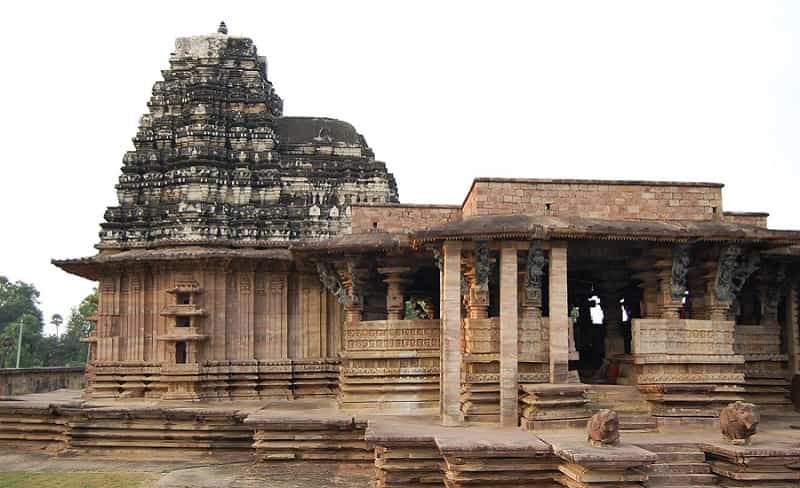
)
(450, 376)
(394, 291)
(477, 276)
(559, 313)
(792, 332)
(650, 299)
(614, 341)
(509, 344)
(670, 306)
(353, 306)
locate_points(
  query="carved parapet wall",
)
(390, 365)
(686, 368)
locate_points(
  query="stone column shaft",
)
(559, 314)
(450, 375)
(509, 343)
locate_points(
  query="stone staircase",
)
(678, 466)
(631, 406)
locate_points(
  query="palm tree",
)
(57, 320)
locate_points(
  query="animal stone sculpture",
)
(739, 421)
(603, 429)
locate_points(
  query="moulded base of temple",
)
(404, 450)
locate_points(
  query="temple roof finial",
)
(223, 29)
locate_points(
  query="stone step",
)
(663, 481)
(637, 422)
(681, 457)
(662, 469)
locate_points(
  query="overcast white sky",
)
(443, 92)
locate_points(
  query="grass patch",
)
(27, 479)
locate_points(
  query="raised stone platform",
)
(409, 450)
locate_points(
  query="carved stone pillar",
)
(477, 276)
(559, 313)
(395, 283)
(353, 282)
(649, 283)
(509, 348)
(614, 340)
(450, 379)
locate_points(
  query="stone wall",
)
(636, 200)
(40, 380)
(759, 219)
(401, 218)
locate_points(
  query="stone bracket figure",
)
(733, 271)
(681, 257)
(534, 273)
(330, 280)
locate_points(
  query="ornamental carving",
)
(681, 258)
(733, 270)
(534, 272)
(482, 265)
(330, 281)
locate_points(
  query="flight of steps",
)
(631, 406)
(678, 466)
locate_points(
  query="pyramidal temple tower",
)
(215, 162)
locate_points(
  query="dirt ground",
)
(29, 469)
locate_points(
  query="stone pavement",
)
(216, 473)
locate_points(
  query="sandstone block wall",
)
(758, 219)
(595, 199)
(401, 218)
(39, 380)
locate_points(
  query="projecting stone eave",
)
(92, 267)
(530, 227)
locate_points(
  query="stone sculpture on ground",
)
(602, 429)
(739, 422)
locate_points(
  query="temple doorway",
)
(603, 298)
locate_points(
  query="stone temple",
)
(261, 259)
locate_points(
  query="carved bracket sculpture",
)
(681, 257)
(534, 272)
(733, 271)
(330, 280)
(482, 265)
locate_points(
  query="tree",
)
(56, 320)
(74, 351)
(19, 307)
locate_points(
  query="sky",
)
(442, 91)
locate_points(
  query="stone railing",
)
(40, 380)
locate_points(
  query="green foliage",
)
(19, 305)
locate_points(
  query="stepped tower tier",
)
(215, 161)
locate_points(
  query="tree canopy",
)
(19, 306)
